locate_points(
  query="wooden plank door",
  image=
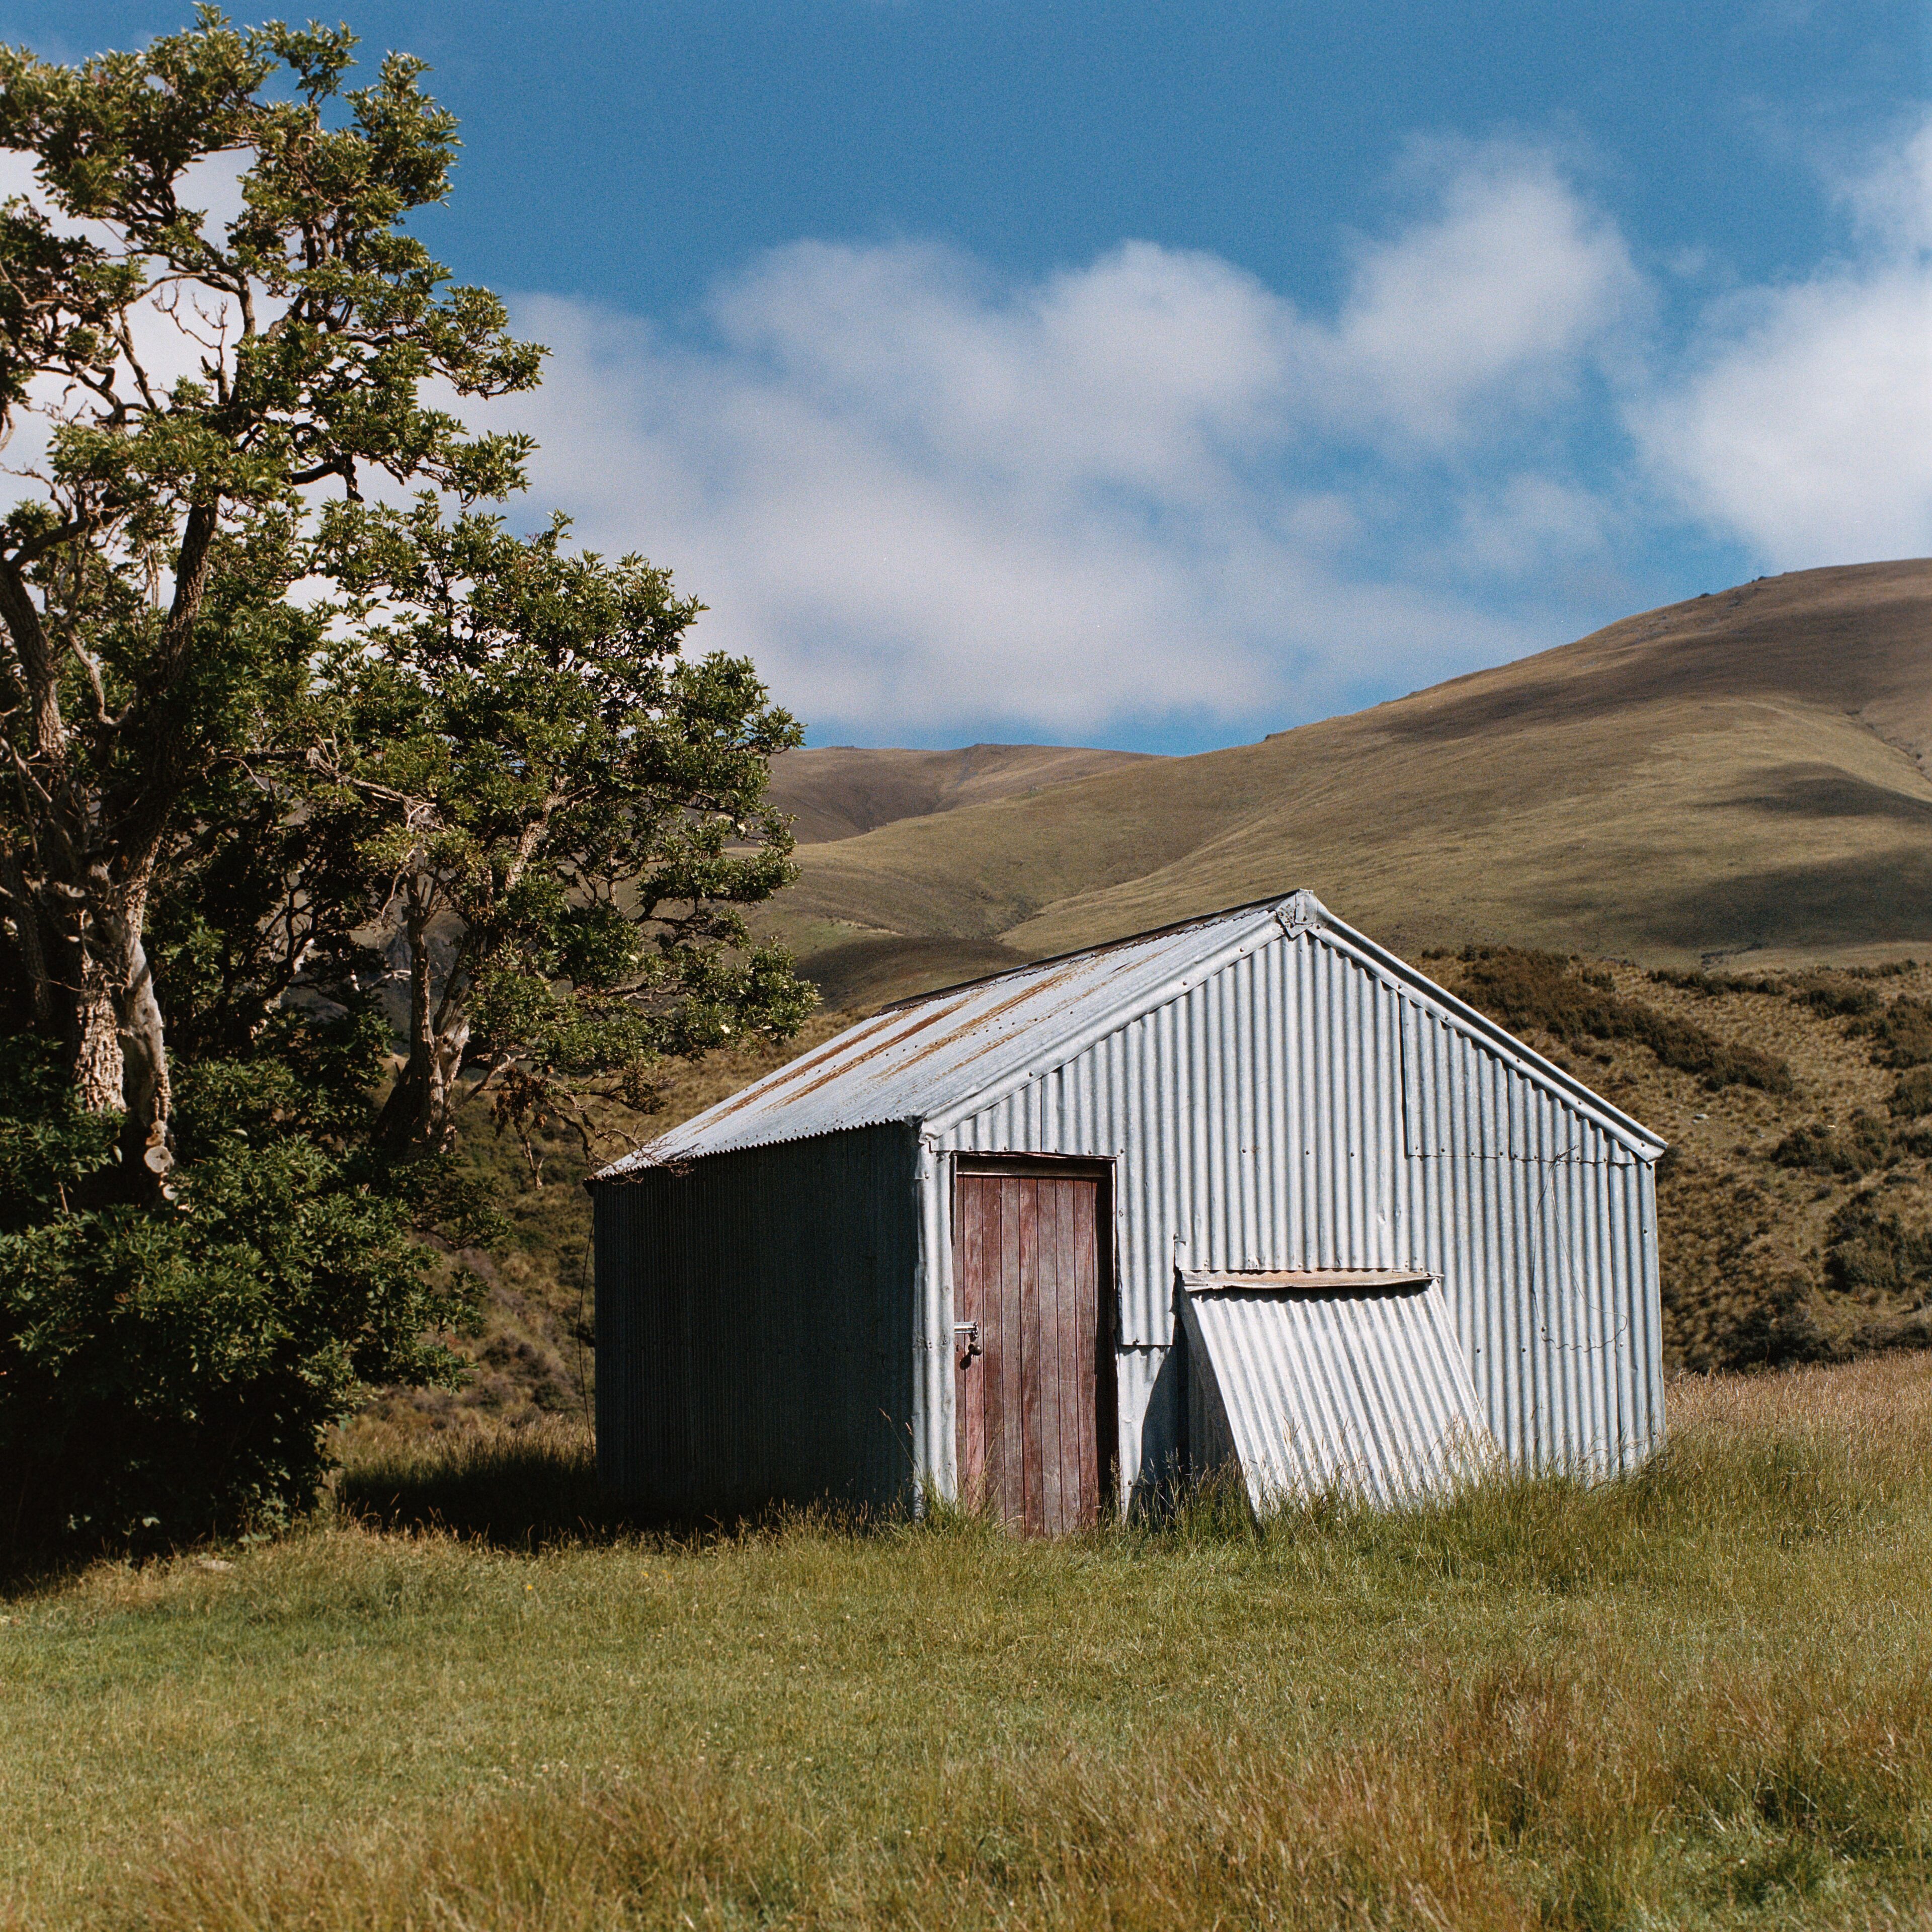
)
(1032, 1344)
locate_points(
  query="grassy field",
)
(1702, 1697)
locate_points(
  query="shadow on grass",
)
(526, 1488)
(534, 1486)
(36, 1573)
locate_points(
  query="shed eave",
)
(632, 1166)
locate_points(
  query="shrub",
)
(1523, 988)
(1817, 1147)
(1716, 986)
(1872, 1255)
(169, 1375)
(1834, 1000)
(1913, 1096)
(1902, 1036)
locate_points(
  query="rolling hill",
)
(841, 791)
(1742, 776)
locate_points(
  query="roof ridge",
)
(1281, 899)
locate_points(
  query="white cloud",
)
(1493, 301)
(924, 499)
(1803, 424)
(1530, 518)
(1893, 200)
(1149, 492)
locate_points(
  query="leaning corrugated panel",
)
(1349, 1381)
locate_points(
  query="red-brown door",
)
(1033, 1344)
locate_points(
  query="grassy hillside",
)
(1741, 778)
(1701, 1697)
(1743, 775)
(838, 791)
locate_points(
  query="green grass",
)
(1701, 1697)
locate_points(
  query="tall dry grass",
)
(1701, 1697)
(1553, 1796)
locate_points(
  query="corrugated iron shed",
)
(1267, 1089)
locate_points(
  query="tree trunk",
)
(98, 1063)
(87, 964)
(147, 1140)
(121, 1056)
(415, 1116)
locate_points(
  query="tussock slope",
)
(841, 791)
(1745, 773)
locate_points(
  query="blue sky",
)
(1161, 375)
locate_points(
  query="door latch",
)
(965, 1342)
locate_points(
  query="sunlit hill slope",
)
(1744, 774)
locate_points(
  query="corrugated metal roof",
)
(934, 1059)
(1327, 1383)
(916, 1060)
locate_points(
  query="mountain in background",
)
(1743, 775)
(1741, 778)
(840, 791)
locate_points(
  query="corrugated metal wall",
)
(756, 1326)
(1296, 1109)
(1544, 1226)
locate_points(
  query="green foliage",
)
(163, 1376)
(50, 1147)
(233, 806)
(308, 327)
(342, 314)
(519, 750)
(1524, 988)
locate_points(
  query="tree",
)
(193, 386)
(229, 805)
(569, 816)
